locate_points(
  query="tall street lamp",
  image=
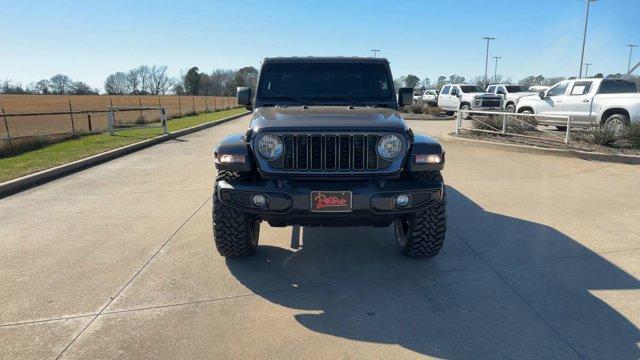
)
(495, 71)
(375, 52)
(586, 70)
(631, 46)
(584, 36)
(486, 60)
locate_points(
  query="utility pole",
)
(375, 52)
(584, 37)
(586, 71)
(631, 46)
(486, 60)
(495, 71)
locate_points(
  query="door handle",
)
(585, 100)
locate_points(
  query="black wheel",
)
(235, 233)
(449, 113)
(617, 123)
(511, 108)
(422, 233)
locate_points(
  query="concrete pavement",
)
(541, 260)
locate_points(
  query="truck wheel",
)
(235, 233)
(449, 113)
(422, 233)
(466, 107)
(511, 108)
(617, 123)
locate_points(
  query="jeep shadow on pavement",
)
(327, 147)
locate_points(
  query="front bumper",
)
(289, 202)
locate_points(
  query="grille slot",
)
(340, 152)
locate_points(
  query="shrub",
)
(599, 135)
(140, 120)
(494, 123)
(190, 113)
(632, 135)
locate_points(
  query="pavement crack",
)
(155, 254)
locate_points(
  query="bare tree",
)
(160, 82)
(60, 84)
(116, 84)
(133, 81)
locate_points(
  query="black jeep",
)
(327, 147)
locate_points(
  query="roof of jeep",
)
(325, 59)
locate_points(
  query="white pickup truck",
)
(429, 96)
(510, 93)
(454, 97)
(610, 102)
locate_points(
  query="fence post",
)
(6, 127)
(180, 106)
(111, 119)
(206, 104)
(140, 103)
(567, 137)
(458, 121)
(89, 122)
(163, 120)
(73, 127)
(114, 115)
(193, 104)
(504, 123)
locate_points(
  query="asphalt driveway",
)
(541, 260)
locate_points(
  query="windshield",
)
(471, 88)
(516, 88)
(361, 81)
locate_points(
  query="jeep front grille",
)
(340, 152)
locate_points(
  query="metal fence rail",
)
(532, 125)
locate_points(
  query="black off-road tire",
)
(235, 233)
(422, 233)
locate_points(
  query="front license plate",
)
(331, 201)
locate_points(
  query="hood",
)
(519, 95)
(327, 118)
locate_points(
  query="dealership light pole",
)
(486, 60)
(375, 52)
(586, 70)
(584, 36)
(631, 46)
(495, 70)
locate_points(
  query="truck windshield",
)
(515, 88)
(328, 81)
(470, 89)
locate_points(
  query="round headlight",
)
(270, 146)
(389, 146)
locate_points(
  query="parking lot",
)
(541, 260)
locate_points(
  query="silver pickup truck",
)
(610, 102)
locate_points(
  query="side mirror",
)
(243, 95)
(542, 95)
(405, 96)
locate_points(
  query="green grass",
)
(84, 146)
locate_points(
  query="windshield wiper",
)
(295, 98)
(352, 100)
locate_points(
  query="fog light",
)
(428, 159)
(402, 200)
(259, 200)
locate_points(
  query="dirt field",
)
(57, 124)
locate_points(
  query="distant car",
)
(454, 97)
(510, 93)
(429, 97)
(609, 102)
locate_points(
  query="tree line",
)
(144, 80)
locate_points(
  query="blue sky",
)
(90, 39)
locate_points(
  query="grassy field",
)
(84, 146)
(55, 124)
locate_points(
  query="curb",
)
(22, 183)
(585, 155)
